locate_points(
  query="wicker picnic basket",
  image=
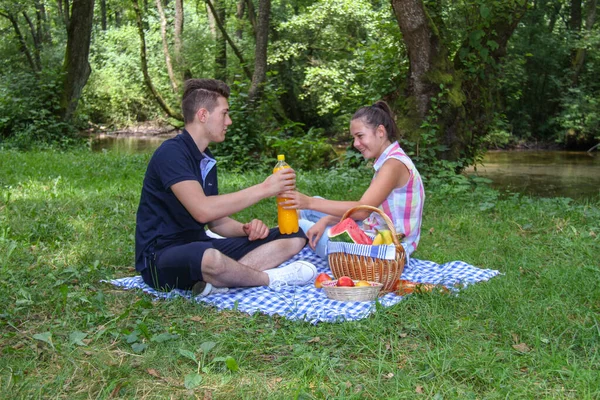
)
(372, 269)
(355, 293)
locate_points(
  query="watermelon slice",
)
(348, 231)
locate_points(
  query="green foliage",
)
(306, 152)
(343, 55)
(579, 119)
(116, 93)
(29, 112)
(543, 103)
(245, 139)
(326, 59)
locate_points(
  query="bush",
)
(29, 106)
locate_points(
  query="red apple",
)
(345, 281)
(322, 277)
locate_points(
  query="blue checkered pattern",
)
(384, 252)
(306, 303)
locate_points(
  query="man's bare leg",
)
(222, 271)
(272, 254)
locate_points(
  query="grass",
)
(67, 221)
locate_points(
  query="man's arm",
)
(227, 227)
(206, 209)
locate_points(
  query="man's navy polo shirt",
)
(161, 220)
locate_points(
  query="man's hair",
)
(201, 93)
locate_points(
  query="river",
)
(543, 173)
(532, 172)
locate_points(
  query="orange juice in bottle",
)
(286, 219)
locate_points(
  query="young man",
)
(180, 196)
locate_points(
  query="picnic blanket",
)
(307, 303)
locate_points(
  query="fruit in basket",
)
(383, 237)
(345, 281)
(322, 277)
(362, 284)
(348, 231)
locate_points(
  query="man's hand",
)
(280, 181)
(256, 229)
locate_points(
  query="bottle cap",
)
(280, 157)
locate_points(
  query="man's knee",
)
(296, 244)
(213, 263)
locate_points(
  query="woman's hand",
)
(256, 229)
(281, 181)
(295, 200)
(315, 232)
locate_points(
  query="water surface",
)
(531, 172)
(127, 144)
(543, 173)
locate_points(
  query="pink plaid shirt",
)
(404, 205)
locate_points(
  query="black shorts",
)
(179, 267)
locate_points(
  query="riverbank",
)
(68, 221)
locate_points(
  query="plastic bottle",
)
(286, 219)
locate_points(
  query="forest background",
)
(462, 76)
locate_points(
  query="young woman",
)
(396, 188)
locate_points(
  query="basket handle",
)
(387, 220)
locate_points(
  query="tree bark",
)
(103, 15)
(220, 42)
(239, 15)
(179, 19)
(231, 44)
(144, 62)
(165, 42)
(76, 66)
(260, 52)
(423, 47)
(464, 111)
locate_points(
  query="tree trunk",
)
(165, 42)
(22, 42)
(579, 57)
(180, 64)
(37, 41)
(463, 109)
(76, 66)
(103, 14)
(554, 17)
(42, 22)
(212, 24)
(251, 15)
(231, 44)
(66, 12)
(575, 18)
(179, 18)
(144, 62)
(221, 42)
(239, 15)
(423, 47)
(260, 52)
